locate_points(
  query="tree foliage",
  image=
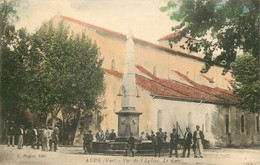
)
(64, 69)
(221, 30)
(219, 26)
(246, 72)
(49, 70)
(11, 64)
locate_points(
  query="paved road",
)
(75, 155)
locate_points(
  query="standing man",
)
(49, 141)
(187, 142)
(34, 134)
(174, 142)
(198, 136)
(88, 141)
(39, 137)
(131, 145)
(85, 142)
(112, 135)
(45, 139)
(161, 134)
(27, 137)
(10, 136)
(20, 137)
(157, 144)
(55, 137)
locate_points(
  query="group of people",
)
(100, 137)
(50, 137)
(160, 137)
(189, 140)
(147, 137)
(46, 136)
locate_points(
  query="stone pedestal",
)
(128, 121)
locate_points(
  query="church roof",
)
(172, 90)
(135, 39)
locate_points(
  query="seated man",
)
(112, 135)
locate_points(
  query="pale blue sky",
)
(143, 17)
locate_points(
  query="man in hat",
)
(34, 135)
(88, 138)
(187, 142)
(20, 137)
(112, 135)
(198, 136)
(54, 138)
(85, 142)
(157, 142)
(45, 139)
(131, 145)
(174, 142)
(161, 134)
(10, 135)
(40, 132)
(151, 137)
(49, 141)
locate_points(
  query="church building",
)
(171, 92)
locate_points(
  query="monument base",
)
(141, 148)
(128, 121)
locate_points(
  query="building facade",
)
(173, 93)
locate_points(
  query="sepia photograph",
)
(129, 82)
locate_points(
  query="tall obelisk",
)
(128, 117)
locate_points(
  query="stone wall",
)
(220, 124)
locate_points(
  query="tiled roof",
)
(169, 89)
(135, 39)
(192, 92)
(212, 91)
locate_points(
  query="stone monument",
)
(128, 117)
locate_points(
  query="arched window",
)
(227, 124)
(207, 123)
(113, 65)
(189, 120)
(159, 119)
(154, 70)
(257, 123)
(242, 123)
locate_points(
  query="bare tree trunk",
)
(54, 116)
(77, 131)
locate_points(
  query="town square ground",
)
(75, 155)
